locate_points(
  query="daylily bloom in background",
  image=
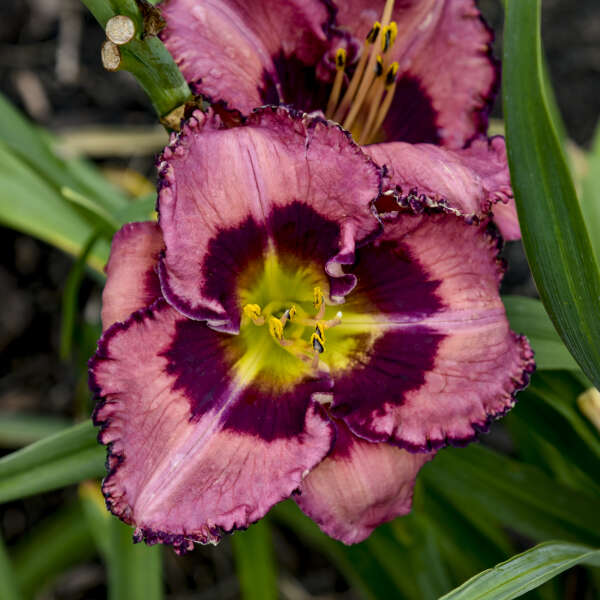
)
(270, 337)
(420, 71)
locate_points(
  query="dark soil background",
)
(50, 68)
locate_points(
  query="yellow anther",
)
(374, 32)
(292, 312)
(318, 343)
(317, 297)
(252, 311)
(320, 329)
(340, 59)
(379, 66)
(391, 74)
(276, 328)
(388, 36)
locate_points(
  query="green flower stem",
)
(146, 58)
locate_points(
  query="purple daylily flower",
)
(417, 71)
(272, 337)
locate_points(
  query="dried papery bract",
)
(111, 56)
(120, 29)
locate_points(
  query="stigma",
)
(368, 96)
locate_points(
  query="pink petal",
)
(194, 451)
(445, 363)
(244, 53)
(131, 269)
(474, 181)
(226, 194)
(359, 486)
(447, 78)
(507, 220)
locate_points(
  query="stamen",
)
(376, 105)
(387, 12)
(340, 65)
(358, 72)
(276, 328)
(318, 343)
(317, 297)
(391, 80)
(372, 35)
(367, 80)
(335, 321)
(288, 315)
(253, 312)
(320, 330)
(389, 36)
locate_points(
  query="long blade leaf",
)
(514, 494)
(60, 460)
(255, 562)
(527, 316)
(554, 234)
(524, 572)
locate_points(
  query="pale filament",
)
(368, 97)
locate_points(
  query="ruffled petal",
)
(229, 196)
(444, 363)
(447, 76)
(131, 269)
(473, 182)
(246, 53)
(195, 449)
(359, 486)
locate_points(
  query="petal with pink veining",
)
(359, 486)
(195, 447)
(229, 196)
(447, 77)
(246, 53)
(445, 362)
(474, 181)
(132, 282)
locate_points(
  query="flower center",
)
(288, 328)
(288, 331)
(370, 91)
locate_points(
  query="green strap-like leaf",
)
(134, 570)
(9, 589)
(528, 317)
(590, 193)
(57, 543)
(554, 234)
(21, 429)
(514, 494)
(356, 563)
(28, 203)
(524, 572)
(549, 407)
(60, 460)
(255, 562)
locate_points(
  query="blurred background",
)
(50, 69)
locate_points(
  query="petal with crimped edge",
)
(195, 449)
(447, 77)
(227, 195)
(446, 362)
(132, 281)
(473, 182)
(359, 486)
(244, 53)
